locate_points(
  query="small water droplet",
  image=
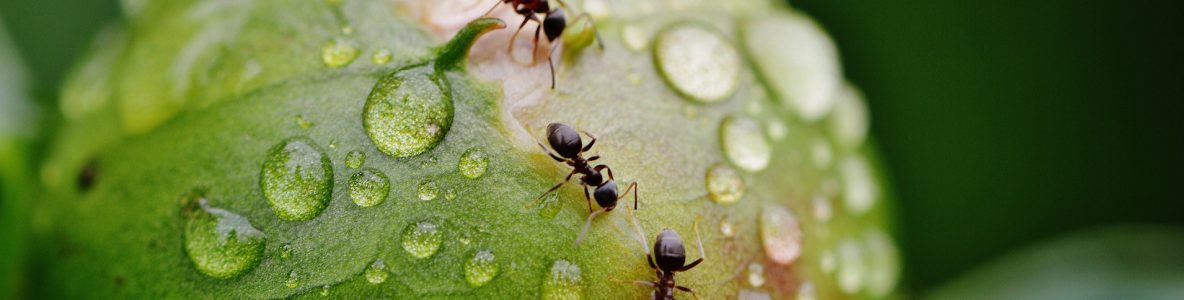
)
(726, 229)
(333, 144)
(821, 153)
(220, 244)
(744, 144)
(297, 179)
(822, 208)
(883, 262)
(851, 267)
(381, 57)
(549, 208)
(286, 251)
(781, 234)
(427, 190)
(369, 187)
(304, 123)
(849, 120)
(753, 295)
(756, 275)
(376, 273)
(635, 37)
(777, 130)
(797, 59)
(355, 159)
(473, 163)
(634, 78)
(338, 52)
(325, 290)
(724, 185)
(564, 282)
(449, 194)
(408, 112)
(347, 30)
(421, 239)
(481, 268)
(826, 262)
(293, 280)
(859, 188)
(697, 62)
(807, 291)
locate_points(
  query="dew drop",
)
(777, 130)
(859, 188)
(807, 291)
(220, 244)
(422, 239)
(355, 159)
(549, 208)
(369, 187)
(851, 267)
(724, 185)
(564, 282)
(304, 123)
(293, 280)
(473, 163)
(286, 251)
(481, 268)
(408, 112)
(325, 290)
(726, 229)
(697, 62)
(297, 179)
(780, 234)
(883, 262)
(376, 273)
(826, 262)
(797, 60)
(427, 190)
(821, 153)
(744, 144)
(823, 211)
(849, 121)
(338, 52)
(753, 295)
(449, 194)
(381, 57)
(756, 275)
(635, 37)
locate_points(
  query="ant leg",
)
(586, 198)
(588, 224)
(595, 33)
(688, 290)
(700, 241)
(640, 282)
(534, 52)
(640, 234)
(536, 200)
(632, 186)
(594, 157)
(510, 47)
(549, 55)
(553, 156)
(590, 143)
(650, 259)
(604, 167)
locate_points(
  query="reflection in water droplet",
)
(859, 188)
(883, 262)
(220, 244)
(369, 187)
(286, 251)
(355, 159)
(427, 190)
(473, 163)
(852, 269)
(697, 62)
(550, 206)
(421, 239)
(800, 64)
(338, 52)
(724, 184)
(481, 268)
(376, 273)
(381, 57)
(408, 112)
(849, 121)
(744, 144)
(756, 275)
(297, 179)
(564, 282)
(293, 280)
(780, 234)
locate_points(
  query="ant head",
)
(669, 253)
(564, 140)
(606, 195)
(554, 24)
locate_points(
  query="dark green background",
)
(1003, 122)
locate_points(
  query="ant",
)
(553, 23)
(567, 142)
(669, 257)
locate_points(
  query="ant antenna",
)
(698, 238)
(589, 224)
(551, 63)
(495, 5)
(640, 233)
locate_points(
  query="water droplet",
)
(635, 37)
(849, 120)
(381, 57)
(753, 295)
(293, 280)
(634, 78)
(549, 208)
(797, 60)
(297, 179)
(347, 30)
(777, 130)
(481, 268)
(821, 153)
(304, 123)
(859, 188)
(851, 271)
(724, 184)
(408, 112)
(564, 282)
(697, 62)
(780, 234)
(376, 273)
(355, 159)
(883, 262)
(744, 144)
(421, 239)
(449, 194)
(338, 52)
(807, 291)
(473, 163)
(286, 251)
(220, 244)
(333, 144)
(427, 190)
(822, 208)
(325, 290)
(756, 275)
(726, 229)
(369, 187)
(826, 262)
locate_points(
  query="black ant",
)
(552, 24)
(670, 257)
(566, 141)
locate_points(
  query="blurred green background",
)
(1003, 123)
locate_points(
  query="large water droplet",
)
(221, 244)
(297, 179)
(883, 262)
(473, 163)
(697, 62)
(849, 121)
(338, 52)
(381, 57)
(427, 190)
(724, 184)
(797, 60)
(376, 273)
(859, 188)
(481, 268)
(780, 234)
(408, 112)
(744, 144)
(369, 187)
(564, 282)
(422, 239)
(355, 159)
(756, 275)
(293, 280)
(549, 208)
